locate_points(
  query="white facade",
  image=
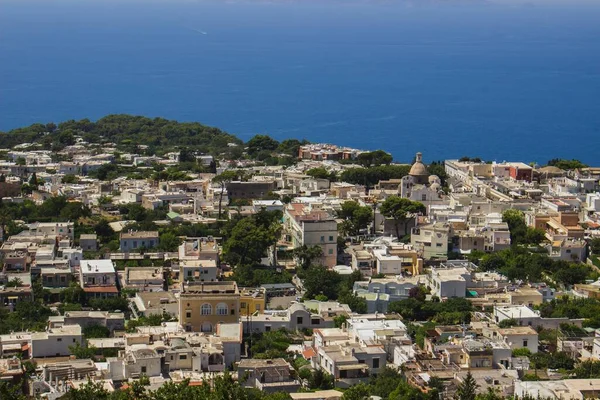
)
(55, 342)
(198, 270)
(431, 240)
(447, 282)
(520, 337)
(97, 272)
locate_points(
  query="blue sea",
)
(501, 80)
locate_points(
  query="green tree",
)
(595, 246)
(321, 280)
(82, 352)
(377, 158)
(70, 178)
(104, 231)
(385, 382)
(96, 331)
(320, 380)
(168, 241)
(306, 255)
(252, 237)
(467, 389)
(508, 323)
(516, 224)
(566, 164)
(534, 235)
(355, 216)
(401, 210)
(260, 143)
(291, 147)
(318, 173)
(187, 155)
(11, 391)
(74, 210)
(89, 391)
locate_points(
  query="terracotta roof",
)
(309, 353)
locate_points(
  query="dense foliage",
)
(400, 210)
(452, 311)
(251, 237)
(573, 308)
(127, 131)
(221, 388)
(566, 164)
(518, 263)
(520, 233)
(356, 218)
(372, 175)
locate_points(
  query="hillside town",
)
(299, 270)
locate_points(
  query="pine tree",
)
(466, 390)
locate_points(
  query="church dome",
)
(418, 168)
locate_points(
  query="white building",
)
(311, 226)
(55, 342)
(431, 241)
(98, 278)
(449, 280)
(58, 229)
(198, 270)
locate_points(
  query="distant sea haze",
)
(498, 80)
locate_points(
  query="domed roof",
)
(418, 168)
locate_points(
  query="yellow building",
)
(202, 305)
(252, 300)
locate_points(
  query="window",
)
(322, 238)
(525, 342)
(135, 243)
(375, 363)
(188, 314)
(268, 328)
(257, 307)
(206, 309)
(232, 311)
(143, 370)
(330, 251)
(222, 309)
(423, 197)
(299, 320)
(243, 305)
(59, 339)
(73, 340)
(183, 356)
(331, 238)
(315, 321)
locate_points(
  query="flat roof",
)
(97, 266)
(139, 235)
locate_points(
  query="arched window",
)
(206, 309)
(222, 309)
